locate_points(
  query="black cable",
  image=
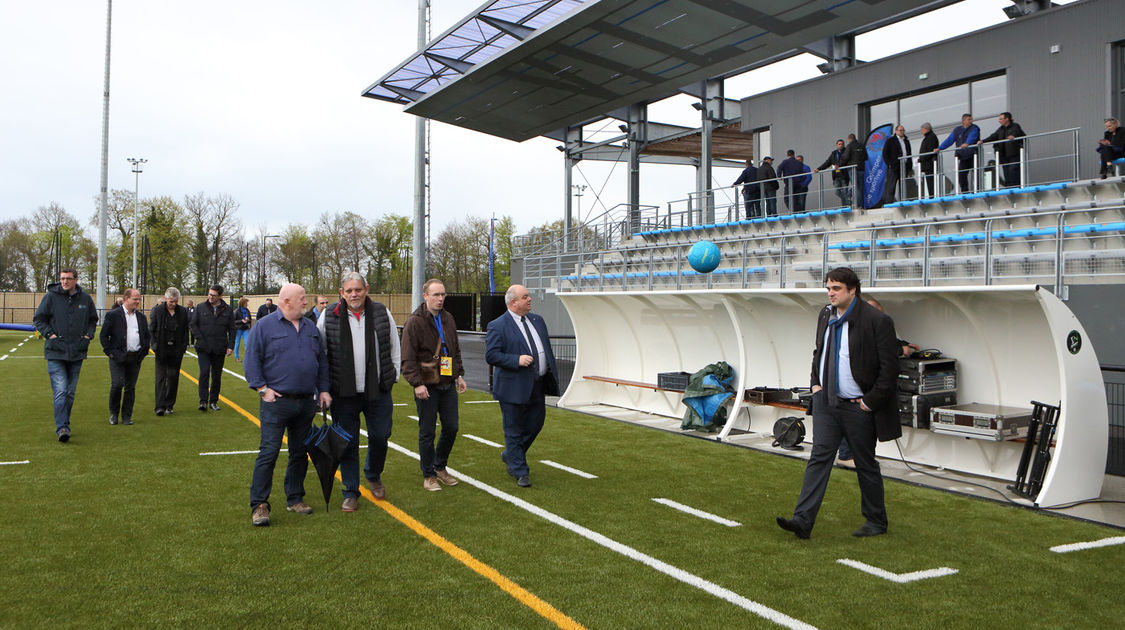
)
(971, 483)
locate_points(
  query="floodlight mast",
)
(138, 168)
(420, 183)
(100, 306)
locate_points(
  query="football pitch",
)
(625, 527)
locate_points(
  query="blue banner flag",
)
(876, 172)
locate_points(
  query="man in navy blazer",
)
(125, 340)
(519, 349)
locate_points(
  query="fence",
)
(1115, 399)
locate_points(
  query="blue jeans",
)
(294, 415)
(443, 401)
(522, 423)
(377, 410)
(239, 337)
(64, 384)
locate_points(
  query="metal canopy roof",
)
(589, 58)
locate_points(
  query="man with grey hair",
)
(519, 349)
(125, 340)
(926, 159)
(362, 350)
(168, 327)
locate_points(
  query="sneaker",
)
(113, 419)
(300, 508)
(203, 406)
(215, 406)
(446, 478)
(168, 411)
(261, 515)
(64, 434)
(378, 490)
(127, 421)
(160, 412)
(431, 484)
(349, 505)
(523, 481)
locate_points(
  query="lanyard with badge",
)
(446, 360)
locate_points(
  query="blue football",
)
(703, 256)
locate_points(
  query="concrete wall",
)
(1045, 91)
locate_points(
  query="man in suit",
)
(854, 398)
(894, 149)
(926, 159)
(314, 312)
(519, 349)
(125, 340)
(751, 191)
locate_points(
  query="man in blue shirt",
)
(965, 139)
(286, 363)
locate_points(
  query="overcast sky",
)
(261, 100)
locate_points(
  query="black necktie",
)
(530, 342)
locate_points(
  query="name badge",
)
(447, 366)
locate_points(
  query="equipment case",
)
(914, 409)
(981, 421)
(927, 376)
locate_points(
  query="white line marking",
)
(1093, 544)
(26, 461)
(573, 471)
(414, 418)
(13, 350)
(676, 573)
(481, 402)
(3, 357)
(399, 405)
(700, 513)
(284, 450)
(482, 440)
(20, 344)
(898, 578)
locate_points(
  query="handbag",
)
(431, 370)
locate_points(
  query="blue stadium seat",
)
(1117, 226)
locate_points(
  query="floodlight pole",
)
(138, 168)
(420, 192)
(105, 167)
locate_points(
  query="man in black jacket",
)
(1008, 148)
(751, 192)
(838, 161)
(266, 309)
(213, 327)
(125, 340)
(926, 159)
(168, 326)
(66, 319)
(1112, 144)
(856, 399)
(856, 154)
(894, 149)
(790, 170)
(769, 185)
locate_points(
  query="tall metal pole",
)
(105, 166)
(420, 159)
(138, 168)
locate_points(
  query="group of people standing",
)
(761, 183)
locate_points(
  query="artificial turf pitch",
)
(129, 526)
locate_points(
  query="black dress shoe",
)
(215, 406)
(127, 421)
(869, 529)
(792, 526)
(203, 406)
(160, 412)
(168, 411)
(113, 419)
(524, 482)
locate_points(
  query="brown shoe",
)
(261, 515)
(446, 478)
(300, 508)
(377, 489)
(349, 504)
(431, 484)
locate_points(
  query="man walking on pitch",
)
(168, 325)
(66, 319)
(213, 327)
(125, 340)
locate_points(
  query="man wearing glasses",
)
(66, 319)
(213, 327)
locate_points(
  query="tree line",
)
(201, 240)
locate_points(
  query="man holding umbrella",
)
(285, 362)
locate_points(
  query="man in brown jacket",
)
(431, 363)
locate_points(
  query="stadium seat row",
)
(744, 222)
(980, 237)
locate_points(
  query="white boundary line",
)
(676, 573)
(897, 578)
(26, 461)
(3, 357)
(284, 450)
(573, 471)
(481, 402)
(694, 512)
(1093, 544)
(482, 440)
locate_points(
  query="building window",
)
(942, 108)
(762, 144)
(1117, 93)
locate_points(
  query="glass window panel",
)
(990, 97)
(939, 108)
(762, 144)
(883, 113)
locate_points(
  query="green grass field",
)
(129, 526)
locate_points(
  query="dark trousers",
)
(1108, 153)
(771, 203)
(522, 423)
(799, 196)
(1011, 168)
(376, 410)
(443, 401)
(284, 414)
(753, 203)
(830, 425)
(928, 189)
(168, 381)
(210, 375)
(123, 384)
(964, 172)
(890, 186)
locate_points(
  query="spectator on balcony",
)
(1008, 148)
(801, 184)
(769, 185)
(926, 160)
(1112, 146)
(751, 192)
(857, 157)
(838, 160)
(895, 149)
(789, 169)
(965, 139)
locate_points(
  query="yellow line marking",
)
(525, 597)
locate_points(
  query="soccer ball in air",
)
(703, 256)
